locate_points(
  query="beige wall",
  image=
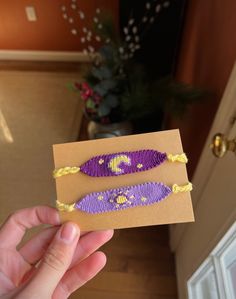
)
(50, 31)
(207, 55)
(38, 110)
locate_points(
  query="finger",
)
(35, 248)
(90, 243)
(54, 264)
(15, 226)
(79, 275)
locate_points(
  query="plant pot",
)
(97, 130)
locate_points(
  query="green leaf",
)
(103, 110)
(71, 86)
(90, 104)
(107, 52)
(111, 100)
(101, 72)
(100, 89)
(108, 84)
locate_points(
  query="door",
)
(214, 199)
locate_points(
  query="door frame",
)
(206, 162)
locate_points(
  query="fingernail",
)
(69, 232)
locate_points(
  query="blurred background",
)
(75, 70)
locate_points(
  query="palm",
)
(17, 266)
(13, 266)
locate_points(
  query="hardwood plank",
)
(97, 294)
(136, 265)
(129, 282)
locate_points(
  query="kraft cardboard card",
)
(123, 182)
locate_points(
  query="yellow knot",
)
(177, 158)
(63, 207)
(185, 188)
(65, 170)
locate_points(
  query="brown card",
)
(175, 208)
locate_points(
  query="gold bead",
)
(121, 199)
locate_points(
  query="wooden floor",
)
(140, 266)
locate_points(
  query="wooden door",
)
(214, 197)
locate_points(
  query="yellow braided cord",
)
(177, 158)
(65, 170)
(63, 207)
(185, 188)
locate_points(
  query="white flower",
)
(63, 8)
(100, 26)
(90, 33)
(85, 29)
(74, 31)
(148, 5)
(131, 45)
(73, 6)
(65, 16)
(98, 38)
(82, 40)
(74, 1)
(71, 20)
(126, 30)
(95, 19)
(121, 50)
(88, 38)
(136, 38)
(158, 8)
(137, 47)
(98, 10)
(135, 29)
(166, 4)
(108, 40)
(85, 51)
(144, 19)
(91, 49)
(128, 37)
(81, 14)
(131, 22)
(152, 19)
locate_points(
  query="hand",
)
(54, 263)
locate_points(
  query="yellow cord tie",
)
(65, 207)
(177, 158)
(65, 170)
(185, 188)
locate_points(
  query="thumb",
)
(54, 264)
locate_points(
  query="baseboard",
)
(61, 56)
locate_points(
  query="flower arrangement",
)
(116, 88)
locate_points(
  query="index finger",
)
(14, 228)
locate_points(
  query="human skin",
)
(54, 263)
